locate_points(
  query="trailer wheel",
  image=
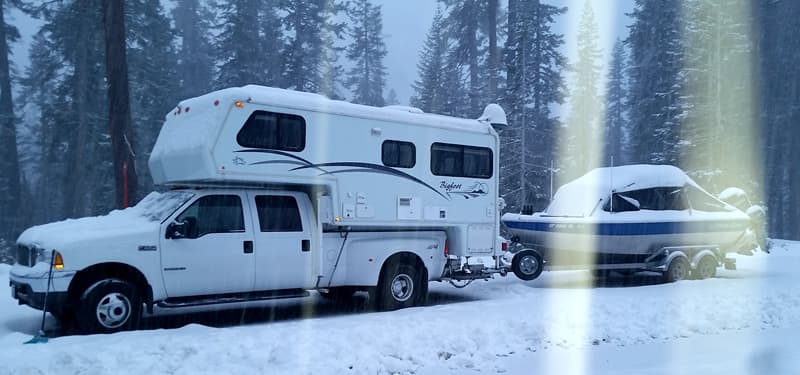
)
(109, 305)
(678, 270)
(527, 265)
(399, 287)
(706, 268)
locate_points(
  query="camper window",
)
(214, 214)
(461, 161)
(276, 131)
(278, 213)
(398, 154)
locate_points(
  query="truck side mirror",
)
(182, 229)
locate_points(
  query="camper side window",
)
(276, 131)
(398, 154)
(461, 161)
(278, 213)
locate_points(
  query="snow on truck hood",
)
(143, 218)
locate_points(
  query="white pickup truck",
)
(207, 246)
(271, 193)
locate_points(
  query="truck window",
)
(461, 161)
(278, 213)
(398, 154)
(214, 214)
(276, 131)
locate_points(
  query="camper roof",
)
(318, 103)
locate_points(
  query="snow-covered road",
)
(742, 321)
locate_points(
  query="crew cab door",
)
(282, 240)
(209, 248)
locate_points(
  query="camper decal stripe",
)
(360, 167)
(368, 167)
(281, 153)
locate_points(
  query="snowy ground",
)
(741, 322)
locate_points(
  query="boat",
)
(629, 215)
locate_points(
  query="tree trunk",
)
(119, 111)
(9, 159)
(493, 62)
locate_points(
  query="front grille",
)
(26, 256)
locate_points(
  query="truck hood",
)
(96, 230)
(141, 220)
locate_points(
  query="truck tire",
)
(399, 287)
(109, 305)
(527, 265)
(706, 268)
(338, 294)
(678, 270)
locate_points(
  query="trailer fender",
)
(672, 255)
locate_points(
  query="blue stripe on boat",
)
(629, 229)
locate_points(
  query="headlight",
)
(42, 255)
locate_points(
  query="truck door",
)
(212, 253)
(282, 240)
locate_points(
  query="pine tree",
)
(247, 48)
(779, 51)
(10, 189)
(193, 22)
(367, 78)
(655, 73)
(67, 75)
(463, 22)
(154, 82)
(391, 98)
(119, 112)
(430, 92)
(616, 126)
(582, 152)
(720, 95)
(311, 58)
(534, 83)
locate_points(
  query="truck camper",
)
(271, 193)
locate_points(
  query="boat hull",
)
(580, 240)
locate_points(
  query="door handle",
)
(305, 245)
(248, 247)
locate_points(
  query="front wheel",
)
(108, 306)
(527, 265)
(400, 286)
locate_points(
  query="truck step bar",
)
(232, 298)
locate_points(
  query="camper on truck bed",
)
(270, 193)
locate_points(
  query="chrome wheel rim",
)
(528, 265)
(402, 287)
(113, 310)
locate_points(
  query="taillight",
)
(446, 247)
(504, 246)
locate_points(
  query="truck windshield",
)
(157, 206)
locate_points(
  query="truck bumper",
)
(28, 288)
(25, 295)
